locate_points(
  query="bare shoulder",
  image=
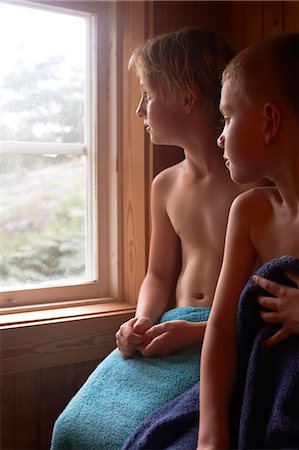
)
(261, 195)
(254, 204)
(166, 179)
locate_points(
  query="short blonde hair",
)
(268, 70)
(188, 59)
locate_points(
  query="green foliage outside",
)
(43, 226)
(42, 198)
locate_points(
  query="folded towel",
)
(265, 412)
(120, 393)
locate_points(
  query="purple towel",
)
(265, 410)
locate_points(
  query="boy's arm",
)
(218, 362)
(160, 279)
(164, 255)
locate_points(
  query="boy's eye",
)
(225, 120)
(146, 96)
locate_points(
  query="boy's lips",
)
(226, 160)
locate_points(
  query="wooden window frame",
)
(131, 180)
(106, 286)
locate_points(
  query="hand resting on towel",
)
(157, 340)
(169, 337)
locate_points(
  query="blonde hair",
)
(268, 70)
(188, 59)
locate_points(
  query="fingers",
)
(155, 347)
(156, 330)
(271, 317)
(269, 302)
(273, 288)
(281, 334)
(127, 352)
(126, 339)
(152, 343)
(141, 325)
(126, 332)
(268, 285)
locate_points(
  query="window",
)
(57, 180)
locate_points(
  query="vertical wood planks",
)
(134, 155)
(273, 18)
(291, 16)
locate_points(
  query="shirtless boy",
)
(259, 103)
(180, 86)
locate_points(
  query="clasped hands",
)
(140, 334)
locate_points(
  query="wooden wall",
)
(32, 399)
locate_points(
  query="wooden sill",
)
(27, 316)
(62, 336)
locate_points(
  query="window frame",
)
(105, 174)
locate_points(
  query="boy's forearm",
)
(217, 376)
(153, 298)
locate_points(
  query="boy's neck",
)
(199, 165)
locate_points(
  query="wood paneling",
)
(32, 397)
(37, 346)
(134, 155)
(31, 401)
(252, 22)
(273, 17)
(291, 16)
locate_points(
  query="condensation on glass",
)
(44, 148)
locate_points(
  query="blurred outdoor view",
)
(42, 193)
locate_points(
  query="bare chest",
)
(198, 216)
(278, 236)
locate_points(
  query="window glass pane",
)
(44, 204)
(43, 78)
(42, 219)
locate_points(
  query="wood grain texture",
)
(273, 17)
(134, 157)
(42, 369)
(55, 344)
(31, 402)
(291, 16)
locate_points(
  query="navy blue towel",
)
(265, 411)
(265, 408)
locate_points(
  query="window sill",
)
(33, 340)
(28, 316)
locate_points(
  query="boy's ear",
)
(271, 123)
(189, 100)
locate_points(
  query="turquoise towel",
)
(120, 393)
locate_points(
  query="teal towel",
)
(120, 393)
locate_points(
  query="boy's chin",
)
(157, 141)
(241, 178)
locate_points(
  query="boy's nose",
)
(220, 141)
(140, 111)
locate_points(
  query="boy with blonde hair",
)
(180, 88)
(259, 103)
